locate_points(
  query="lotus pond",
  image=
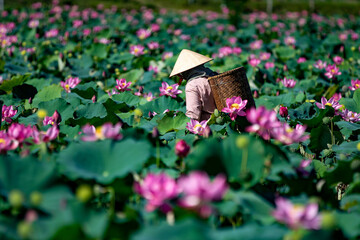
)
(95, 144)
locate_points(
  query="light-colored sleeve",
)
(193, 102)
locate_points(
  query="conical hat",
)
(188, 59)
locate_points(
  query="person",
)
(200, 103)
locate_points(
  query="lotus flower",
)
(288, 83)
(235, 106)
(297, 216)
(143, 33)
(6, 143)
(198, 191)
(51, 33)
(105, 131)
(262, 120)
(355, 84)
(7, 113)
(254, 62)
(70, 83)
(320, 64)
(332, 71)
(196, 127)
(287, 135)
(290, 40)
(182, 148)
(269, 65)
(332, 103)
(168, 90)
(19, 132)
(122, 85)
(149, 96)
(137, 50)
(338, 60)
(157, 189)
(55, 119)
(283, 111)
(350, 116)
(47, 136)
(153, 45)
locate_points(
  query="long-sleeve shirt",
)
(200, 103)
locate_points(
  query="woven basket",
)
(230, 84)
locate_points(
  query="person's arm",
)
(193, 103)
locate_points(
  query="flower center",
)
(169, 88)
(332, 70)
(328, 104)
(289, 130)
(98, 133)
(357, 85)
(67, 86)
(136, 50)
(235, 105)
(2, 140)
(197, 126)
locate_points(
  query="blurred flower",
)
(105, 131)
(182, 148)
(343, 36)
(33, 23)
(19, 132)
(149, 96)
(69, 83)
(290, 40)
(55, 119)
(51, 33)
(301, 60)
(235, 106)
(262, 120)
(283, 111)
(269, 65)
(198, 191)
(254, 62)
(331, 102)
(320, 64)
(287, 135)
(77, 23)
(196, 127)
(350, 116)
(167, 55)
(137, 50)
(338, 60)
(7, 113)
(122, 85)
(297, 216)
(155, 27)
(143, 33)
(157, 189)
(153, 45)
(154, 69)
(288, 83)
(337, 96)
(265, 56)
(256, 44)
(50, 134)
(168, 90)
(332, 71)
(104, 41)
(355, 84)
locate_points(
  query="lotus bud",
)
(35, 198)
(56, 117)
(83, 193)
(155, 132)
(283, 111)
(242, 141)
(182, 148)
(24, 229)
(93, 99)
(256, 94)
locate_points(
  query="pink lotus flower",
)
(153, 45)
(196, 127)
(55, 119)
(320, 64)
(269, 65)
(332, 71)
(262, 120)
(350, 116)
(107, 130)
(301, 60)
(168, 90)
(157, 189)
(77, 23)
(71, 82)
(297, 216)
(47, 136)
(167, 55)
(7, 113)
(182, 149)
(290, 40)
(137, 50)
(149, 96)
(33, 23)
(154, 69)
(19, 132)
(235, 106)
(337, 96)
(51, 33)
(155, 27)
(264, 56)
(288, 83)
(256, 44)
(283, 111)
(338, 60)
(225, 51)
(104, 41)
(198, 191)
(6, 143)
(332, 103)
(287, 135)
(122, 85)
(355, 84)
(143, 33)
(254, 62)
